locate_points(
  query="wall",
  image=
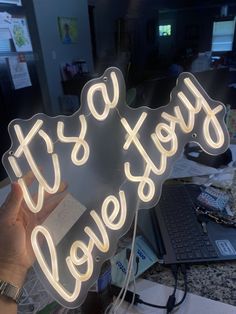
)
(192, 28)
(106, 14)
(136, 19)
(53, 51)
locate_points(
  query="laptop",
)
(174, 233)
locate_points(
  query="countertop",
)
(216, 281)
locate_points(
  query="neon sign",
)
(114, 160)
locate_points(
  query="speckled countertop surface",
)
(216, 281)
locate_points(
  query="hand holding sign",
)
(115, 160)
(17, 223)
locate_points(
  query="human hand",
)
(16, 225)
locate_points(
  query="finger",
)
(12, 205)
(63, 186)
(28, 178)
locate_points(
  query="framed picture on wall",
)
(68, 30)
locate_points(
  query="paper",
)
(5, 19)
(20, 34)
(158, 294)
(119, 262)
(65, 215)
(19, 72)
(184, 168)
(5, 22)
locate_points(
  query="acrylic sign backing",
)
(113, 160)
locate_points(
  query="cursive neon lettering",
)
(24, 149)
(73, 261)
(109, 104)
(121, 208)
(210, 118)
(52, 276)
(79, 141)
(103, 245)
(145, 160)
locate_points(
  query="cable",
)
(175, 269)
(171, 300)
(134, 292)
(137, 266)
(134, 298)
(184, 272)
(114, 307)
(151, 305)
(130, 265)
(128, 253)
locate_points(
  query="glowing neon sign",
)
(114, 160)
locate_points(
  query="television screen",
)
(165, 30)
(223, 35)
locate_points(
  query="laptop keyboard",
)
(186, 233)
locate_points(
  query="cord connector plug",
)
(170, 303)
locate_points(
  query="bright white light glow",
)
(144, 180)
(210, 118)
(109, 220)
(52, 276)
(79, 141)
(109, 104)
(35, 208)
(74, 261)
(132, 133)
(133, 137)
(165, 133)
(146, 159)
(105, 244)
(26, 141)
(24, 149)
(15, 166)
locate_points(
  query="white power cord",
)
(134, 292)
(114, 307)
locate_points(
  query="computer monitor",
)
(165, 30)
(223, 35)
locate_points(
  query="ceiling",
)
(137, 8)
(177, 4)
(180, 4)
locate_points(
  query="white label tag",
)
(64, 216)
(225, 247)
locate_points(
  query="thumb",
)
(12, 205)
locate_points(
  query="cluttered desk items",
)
(189, 225)
(113, 160)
